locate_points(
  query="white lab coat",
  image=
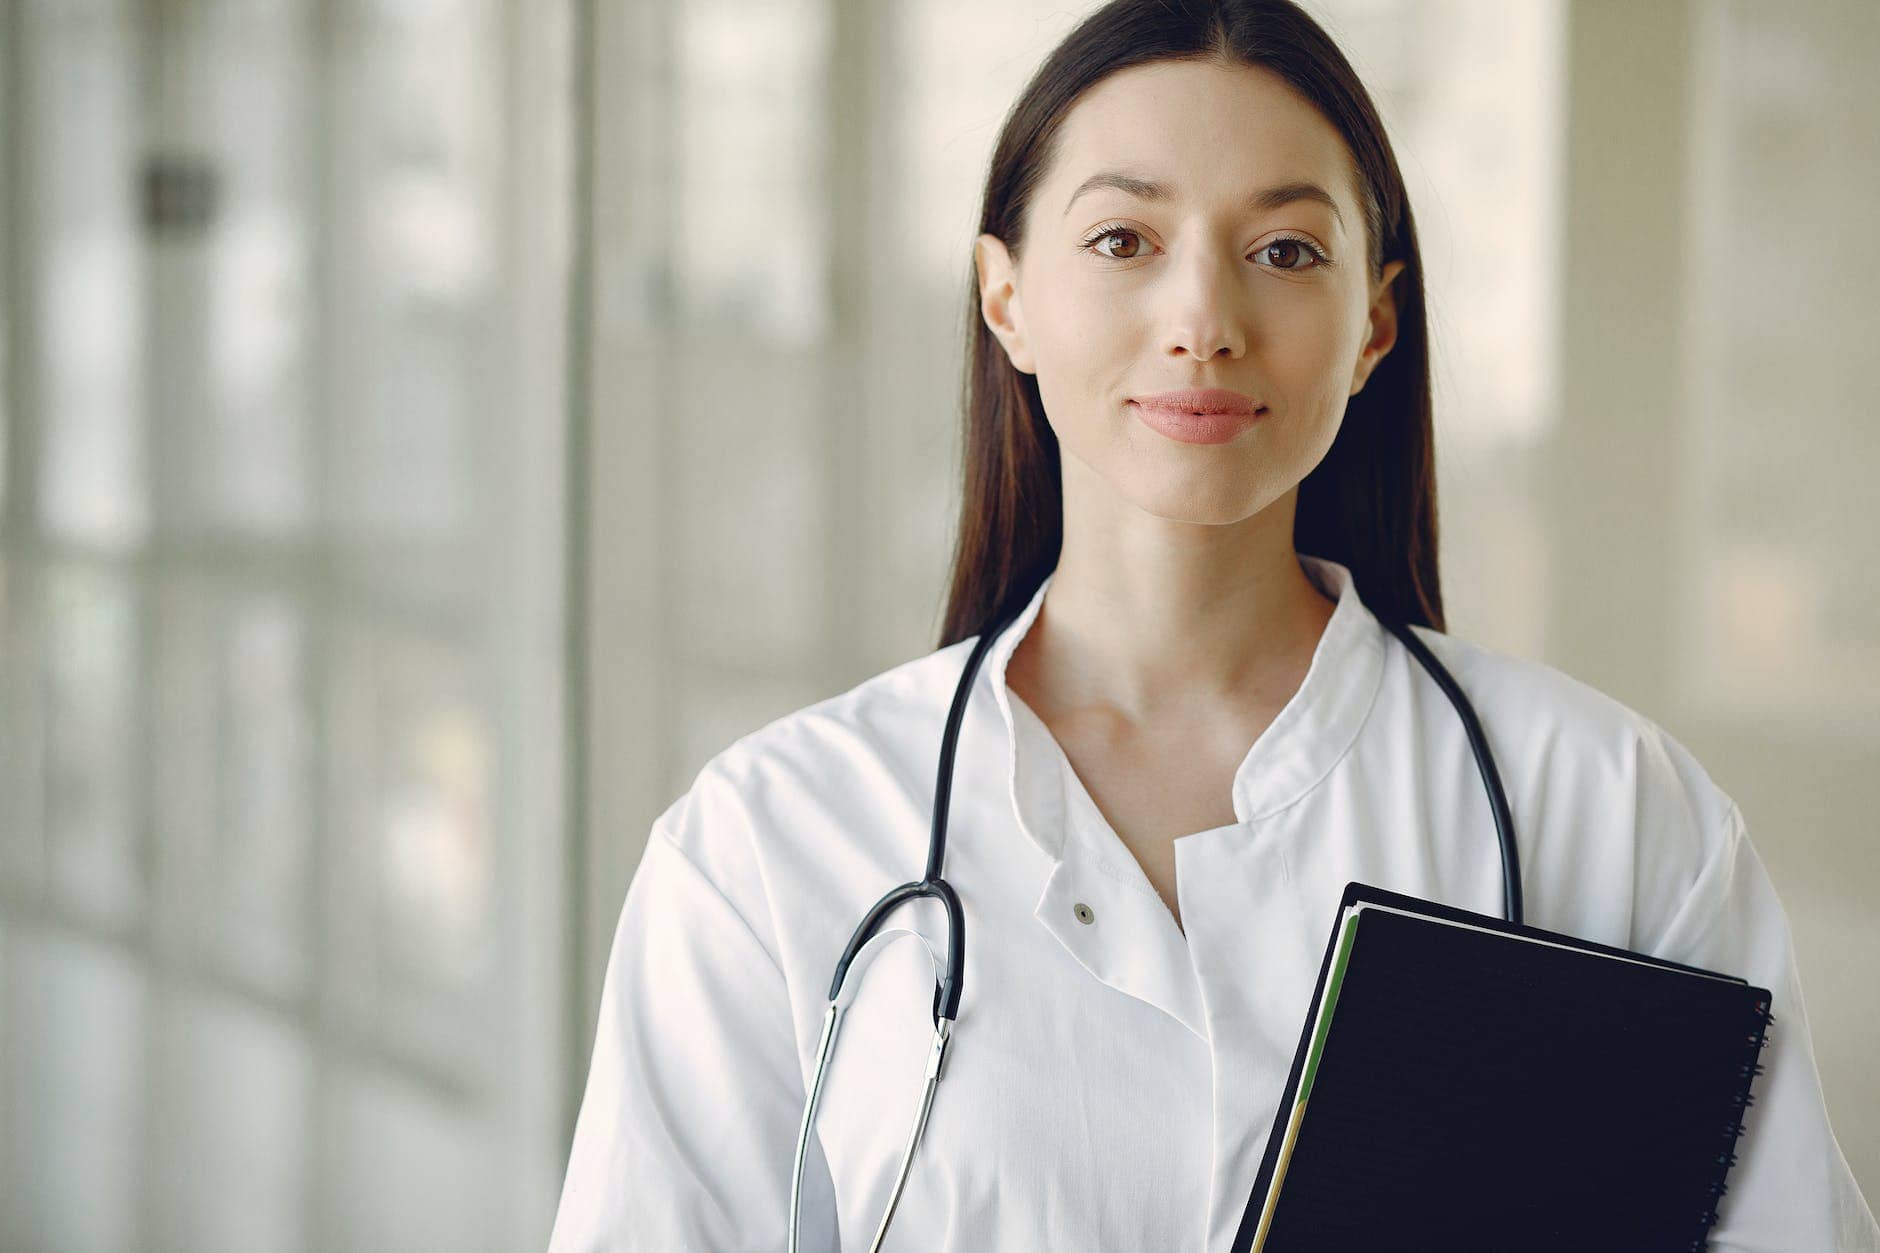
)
(1111, 1083)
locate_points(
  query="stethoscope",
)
(947, 989)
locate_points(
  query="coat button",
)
(1084, 913)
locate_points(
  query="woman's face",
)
(1198, 288)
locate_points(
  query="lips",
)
(1190, 427)
(1207, 400)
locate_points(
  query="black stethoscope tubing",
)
(932, 884)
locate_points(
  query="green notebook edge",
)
(1335, 983)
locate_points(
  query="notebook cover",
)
(1394, 1151)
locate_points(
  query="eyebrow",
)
(1267, 198)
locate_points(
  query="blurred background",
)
(432, 428)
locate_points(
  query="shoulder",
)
(1537, 694)
(1539, 708)
(879, 717)
(866, 746)
(1605, 791)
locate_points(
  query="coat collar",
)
(1096, 899)
(1290, 757)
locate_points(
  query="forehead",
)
(1212, 131)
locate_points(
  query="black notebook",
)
(1463, 1083)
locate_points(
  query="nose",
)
(1206, 323)
(1207, 341)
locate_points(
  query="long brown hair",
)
(1370, 504)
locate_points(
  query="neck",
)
(1151, 619)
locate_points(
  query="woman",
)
(1188, 196)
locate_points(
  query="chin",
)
(1199, 503)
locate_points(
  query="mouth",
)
(1194, 426)
(1201, 402)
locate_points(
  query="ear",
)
(1383, 324)
(998, 300)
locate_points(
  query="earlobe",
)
(1383, 323)
(998, 300)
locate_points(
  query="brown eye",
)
(1291, 251)
(1284, 248)
(1116, 231)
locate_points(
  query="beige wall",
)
(283, 545)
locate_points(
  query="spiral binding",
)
(1726, 1155)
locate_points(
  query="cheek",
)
(1305, 352)
(1084, 326)
(1089, 354)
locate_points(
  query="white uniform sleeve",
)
(1790, 1188)
(687, 1130)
